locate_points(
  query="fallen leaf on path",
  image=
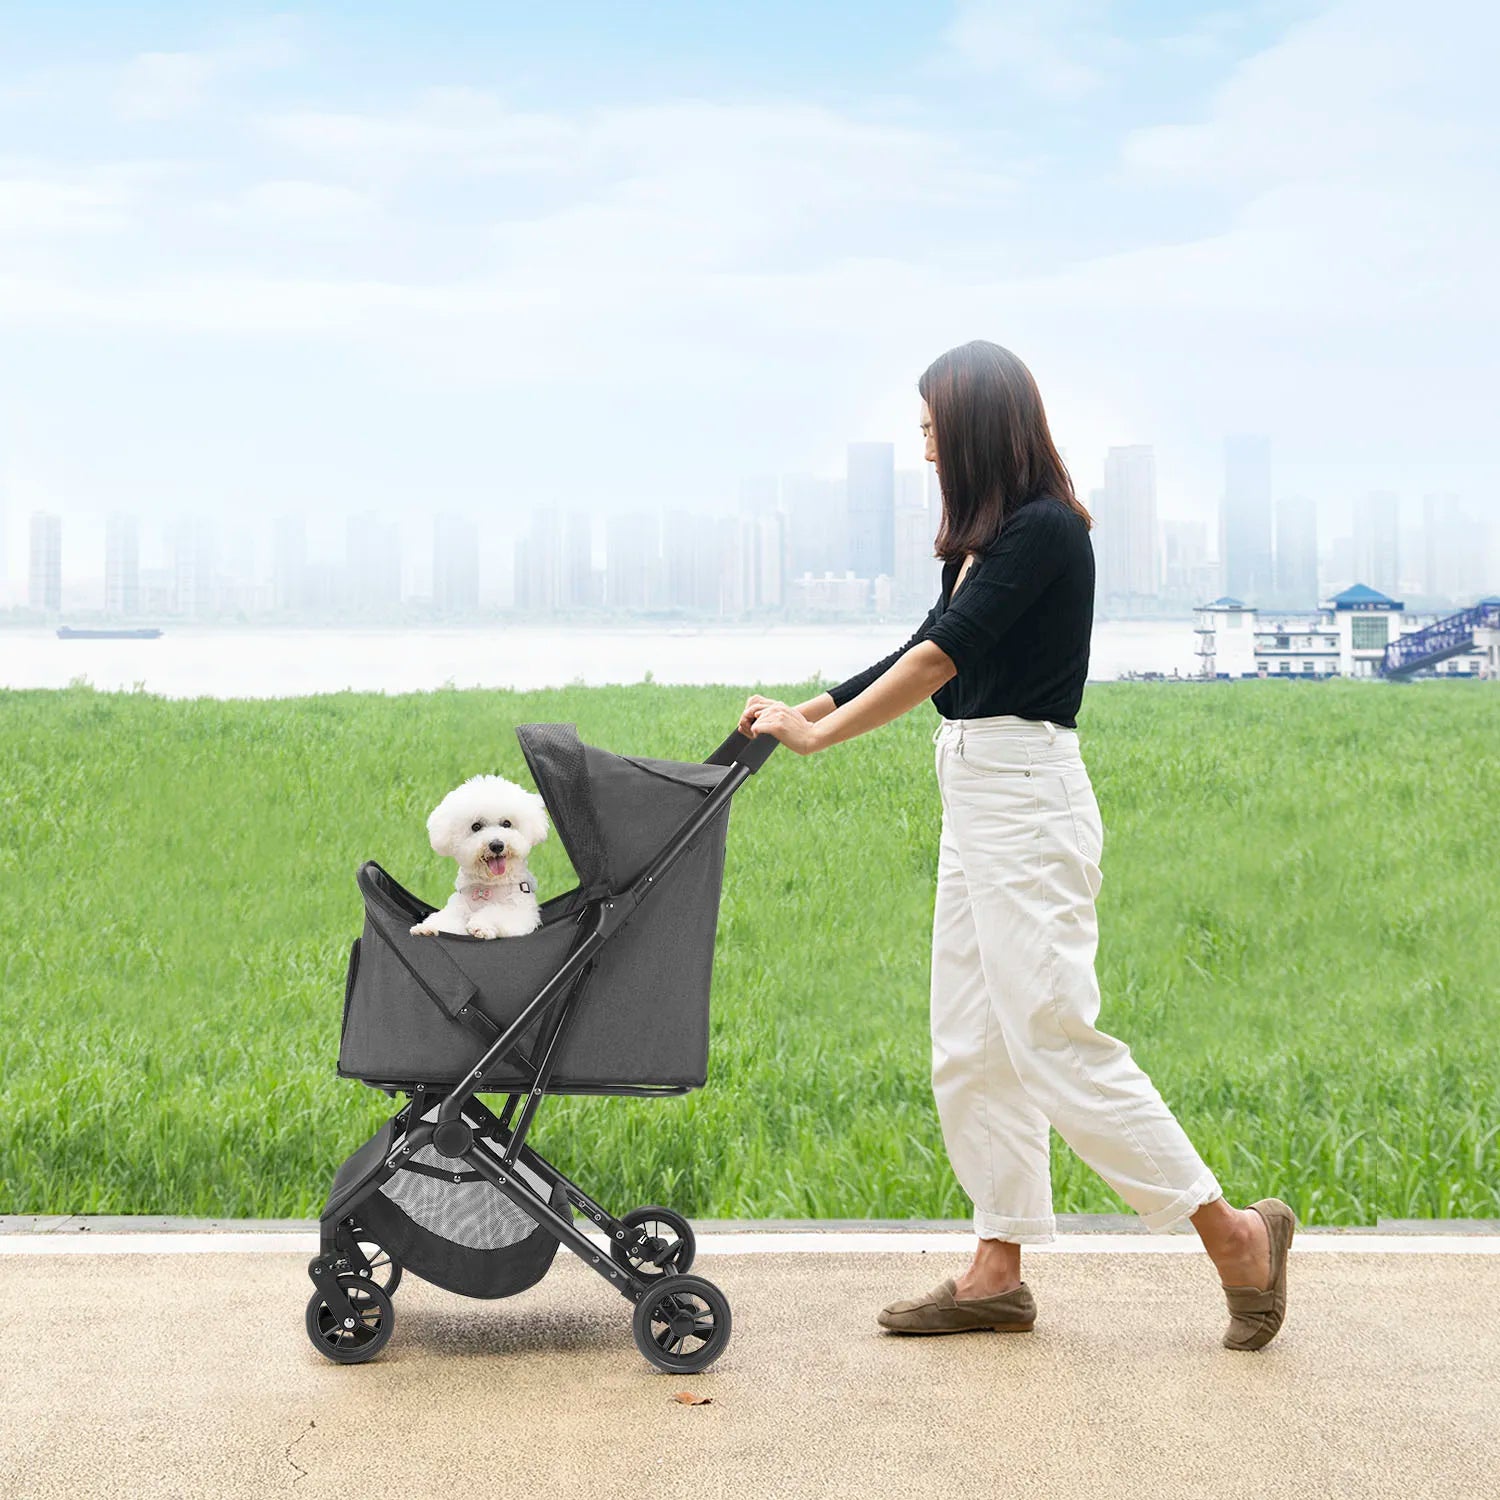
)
(689, 1399)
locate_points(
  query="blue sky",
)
(510, 257)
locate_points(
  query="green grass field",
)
(1298, 923)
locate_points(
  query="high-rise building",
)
(919, 573)
(538, 564)
(191, 543)
(1455, 550)
(632, 566)
(578, 560)
(1377, 551)
(455, 564)
(122, 565)
(1133, 548)
(372, 560)
(872, 509)
(763, 556)
(44, 589)
(1187, 574)
(817, 524)
(1245, 519)
(1296, 553)
(289, 580)
(690, 561)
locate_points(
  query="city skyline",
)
(859, 544)
(334, 263)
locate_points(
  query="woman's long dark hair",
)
(995, 452)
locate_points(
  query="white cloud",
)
(293, 205)
(1057, 49)
(37, 206)
(163, 85)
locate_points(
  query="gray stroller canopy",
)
(612, 812)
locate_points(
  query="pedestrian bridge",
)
(1440, 640)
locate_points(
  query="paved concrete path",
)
(141, 1373)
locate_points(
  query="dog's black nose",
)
(497, 846)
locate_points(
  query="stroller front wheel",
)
(351, 1342)
(669, 1247)
(682, 1324)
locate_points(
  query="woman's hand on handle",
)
(788, 725)
(756, 704)
(813, 710)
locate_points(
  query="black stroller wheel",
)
(669, 1247)
(681, 1324)
(375, 1316)
(385, 1269)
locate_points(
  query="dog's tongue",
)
(495, 863)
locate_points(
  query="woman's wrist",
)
(817, 708)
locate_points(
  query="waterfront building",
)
(1346, 636)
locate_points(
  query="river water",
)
(249, 662)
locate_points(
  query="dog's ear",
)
(440, 828)
(538, 828)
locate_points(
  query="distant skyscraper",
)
(872, 508)
(455, 564)
(289, 582)
(191, 543)
(918, 575)
(1185, 561)
(578, 561)
(122, 565)
(1245, 519)
(1134, 549)
(1377, 554)
(818, 523)
(1296, 553)
(632, 566)
(1454, 549)
(45, 583)
(690, 561)
(372, 561)
(763, 553)
(538, 566)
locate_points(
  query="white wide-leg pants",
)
(1015, 997)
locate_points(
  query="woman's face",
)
(930, 437)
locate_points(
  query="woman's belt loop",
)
(1051, 731)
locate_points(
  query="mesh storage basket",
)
(466, 1237)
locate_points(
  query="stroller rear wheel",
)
(669, 1247)
(682, 1324)
(351, 1342)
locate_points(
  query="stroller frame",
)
(467, 1133)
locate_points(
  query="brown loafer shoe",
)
(1258, 1313)
(939, 1311)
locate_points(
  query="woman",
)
(1003, 655)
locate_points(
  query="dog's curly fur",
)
(489, 825)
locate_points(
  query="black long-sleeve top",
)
(1018, 629)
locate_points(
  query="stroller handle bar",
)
(748, 750)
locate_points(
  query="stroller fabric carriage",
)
(608, 996)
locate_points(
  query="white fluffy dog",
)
(489, 825)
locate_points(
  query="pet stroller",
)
(608, 996)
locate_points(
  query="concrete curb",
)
(1111, 1224)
